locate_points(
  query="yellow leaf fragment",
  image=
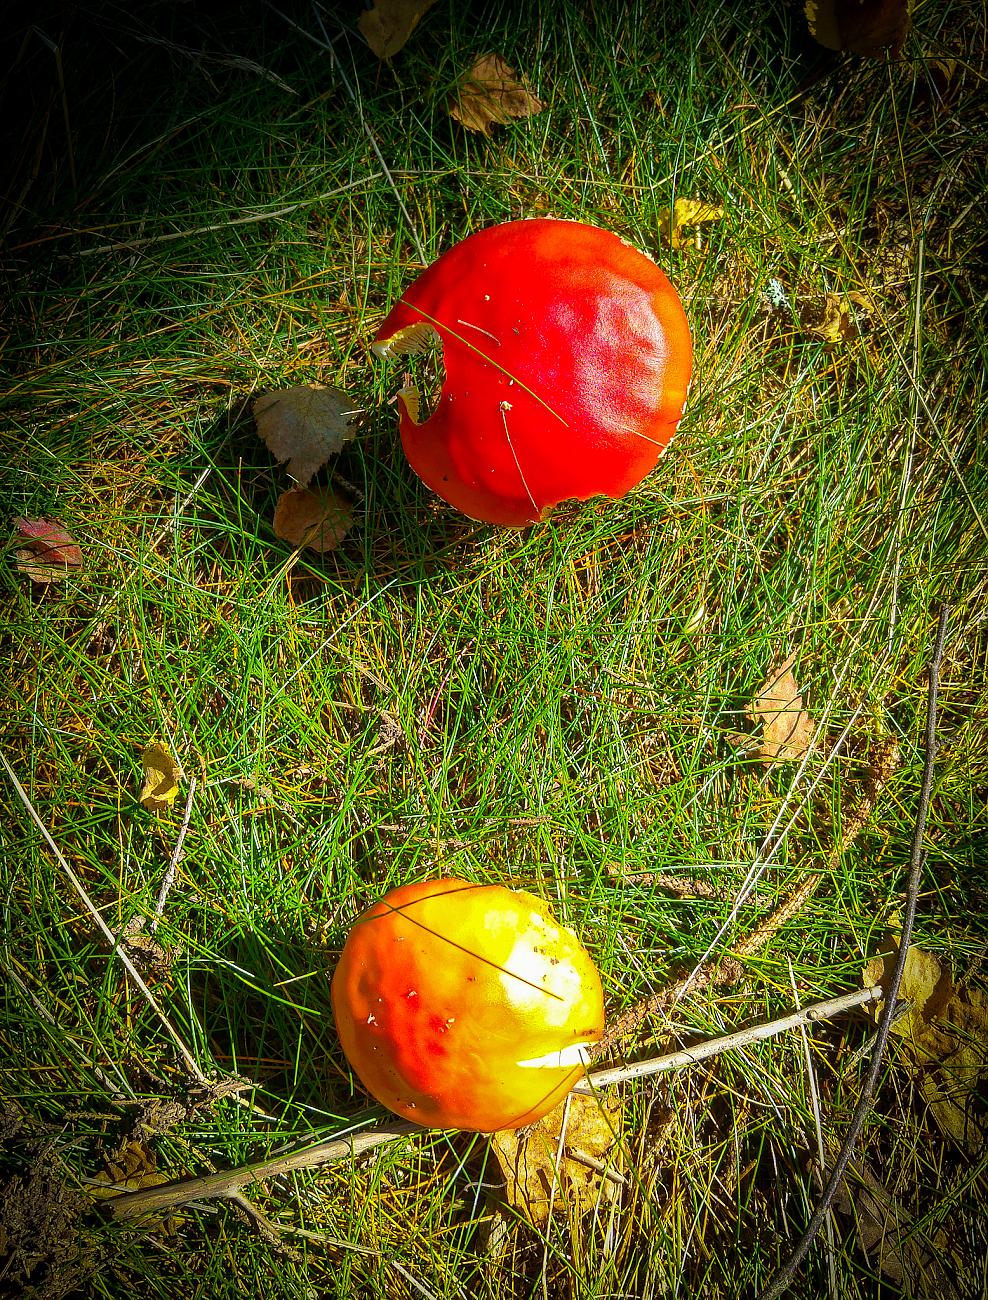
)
(787, 728)
(685, 212)
(491, 94)
(389, 24)
(312, 517)
(835, 318)
(161, 777)
(945, 1041)
(545, 1175)
(304, 425)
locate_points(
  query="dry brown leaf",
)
(787, 728)
(945, 1033)
(162, 774)
(540, 1179)
(890, 1239)
(868, 27)
(685, 212)
(314, 517)
(46, 552)
(389, 24)
(490, 94)
(304, 425)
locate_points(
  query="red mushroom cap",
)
(466, 1006)
(568, 358)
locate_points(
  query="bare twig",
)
(94, 912)
(917, 859)
(717, 1046)
(169, 877)
(230, 1183)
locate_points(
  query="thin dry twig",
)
(190, 1061)
(230, 1183)
(917, 859)
(177, 854)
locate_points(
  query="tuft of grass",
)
(196, 212)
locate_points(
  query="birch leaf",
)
(304, 425)
(787, 728)
(312, 517)
(389, 24)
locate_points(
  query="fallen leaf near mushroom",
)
(312, 517)
(778, 707)
(685, 212)
(945, 1033)
(389, 24)
(304, 425)
(47, 552)
(835, 318)
(868, 27)
(541, 1180)
(890, 1239)
(161, 777)
(490, 94)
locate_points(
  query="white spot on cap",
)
(564, 1059)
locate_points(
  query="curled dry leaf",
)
(161, 777)
(389, 24)
(304, 425)
(945, 1041)
(314, 517)
(540, 1179)
(490, 94)
(46, 552)
(685, 212)
(868, 27)
(835, 318)
(787, 728)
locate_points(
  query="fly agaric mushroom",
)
(568, 358)
(466, 1006)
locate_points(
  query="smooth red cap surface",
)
(568, 358)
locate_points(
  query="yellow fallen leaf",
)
(161, 777)
(389, 24)
(685, 212)
(304, 425)
(491, 94)
(316, 518)
(540, 1179)
(787, 728)
(835, 317)
(945, 1041)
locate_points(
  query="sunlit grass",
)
(562, 708)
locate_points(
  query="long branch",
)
(230, 1182)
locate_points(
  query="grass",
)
(195, 214)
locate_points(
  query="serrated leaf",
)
(304, 426)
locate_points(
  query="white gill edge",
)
(563, 1059)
